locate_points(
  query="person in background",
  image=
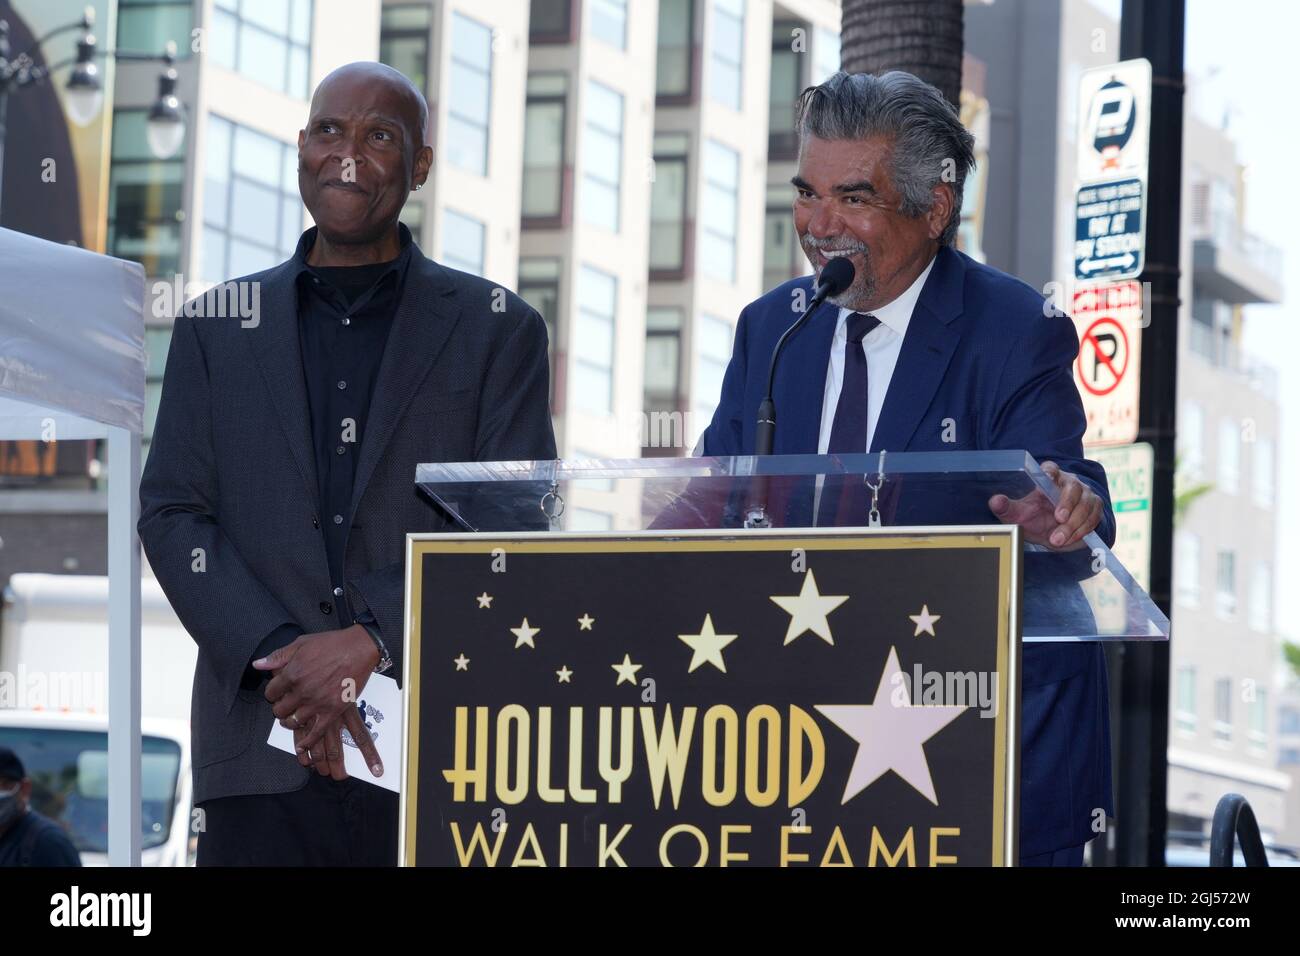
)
(28, 838)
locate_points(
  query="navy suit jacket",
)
(982, 364)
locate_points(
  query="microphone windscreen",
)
(836, 276)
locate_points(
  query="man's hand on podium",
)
(313, 692)
(1076, 514)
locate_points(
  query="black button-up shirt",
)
(344, 316)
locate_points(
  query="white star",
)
(809, 609)
(924, 621)
(626, 671)
(890, 734)
(707, 646)
(484, 600)
(524, 634)
(585, 622)
(564, 674)
(462, 662)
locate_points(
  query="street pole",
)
(1154, 29)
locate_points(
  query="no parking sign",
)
(1108, 318)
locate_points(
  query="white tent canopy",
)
(72, 366)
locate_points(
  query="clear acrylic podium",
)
(1078, 595)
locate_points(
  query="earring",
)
(418, 185)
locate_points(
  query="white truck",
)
(54, 710)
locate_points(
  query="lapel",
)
(425, 318)
(276, 352)
(927, 349)
(801, 383)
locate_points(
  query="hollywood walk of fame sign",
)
(796, 698)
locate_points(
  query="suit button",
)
(338, 519)
(326, 607)
(338, 592)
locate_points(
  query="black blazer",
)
(229, 516)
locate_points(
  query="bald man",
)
(280, 483)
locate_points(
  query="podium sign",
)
(781, 697)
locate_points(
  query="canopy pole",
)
(124, 836)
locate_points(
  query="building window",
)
(592, 342)
(786, 83)
(1261, 473)
(549, 21)
(1225, 588)
(1229, 456)
(1187, 569)
(463, 239)
(718, 209)
(539, 286)
(609, 22)
(668, 203)
(663, 358)
(544, 122)
(157, 341)
(252, 213)
(469, 107)
(1223, 709)
(147, 26)
(1288, 756)
(726, 52)
(1257, 735)
(1288, 721)
(144, 198)
(782, 257)
(268, 41)
(1261, 597)
(713, 338)
(404, 41)
(1185, 699)
(826, 54)
(413, 216)
(1191, 441)
(602, 156)
(673, 52)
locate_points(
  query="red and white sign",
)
(1108, 318)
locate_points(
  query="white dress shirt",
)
(882, 346)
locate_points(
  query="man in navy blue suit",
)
(929, 350)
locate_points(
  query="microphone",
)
(836, 276)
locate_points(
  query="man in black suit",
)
(280, 484)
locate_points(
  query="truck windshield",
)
(69, 774)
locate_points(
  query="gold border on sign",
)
(1005, 539)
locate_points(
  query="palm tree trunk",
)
(923, 37)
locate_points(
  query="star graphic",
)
(585, 622)
(462, 662)
(924, 621)
(524, 634)
(626, 671)
(808, 610)
(707, 646)
(890, 734)
(484, 600)
(564, 674)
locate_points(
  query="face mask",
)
(8, 807)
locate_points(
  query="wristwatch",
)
(367, 620)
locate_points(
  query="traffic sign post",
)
(1129, 475)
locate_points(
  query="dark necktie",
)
(844, 501)
(849, 429)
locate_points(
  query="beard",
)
(863, 290)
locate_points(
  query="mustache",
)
(832, 245)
